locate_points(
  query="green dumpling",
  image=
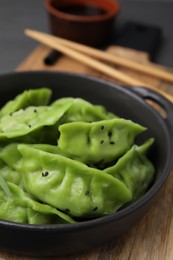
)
(17, 206)
(70, 185)
(98, 142)
(31, 97)
(32, 124)
(83, 111)
(135, 169)
(10, 160)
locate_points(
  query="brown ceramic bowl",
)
(86, 21)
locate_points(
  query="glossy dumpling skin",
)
(82, 110)
(33, 124)
(17, 206)
(135, 169)
(70, 185)
(98, 142)
(10, 160)
(31, 97)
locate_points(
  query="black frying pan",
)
(126, 102)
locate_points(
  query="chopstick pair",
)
(86, 55)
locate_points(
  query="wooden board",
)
(151, 238)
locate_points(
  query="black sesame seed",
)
(87, 192)
(102, 141)
(111, 142)
(44, 174)
(29, 125)
(94, 209)
(102, 127)
(35, 110)
(109, 133)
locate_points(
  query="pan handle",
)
(148, 94)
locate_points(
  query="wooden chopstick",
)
(95, 53)
(53, 42)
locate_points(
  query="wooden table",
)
(152, 237)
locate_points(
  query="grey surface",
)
(17, 15)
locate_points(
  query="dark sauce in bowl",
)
(80, 9)
(90, 22)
